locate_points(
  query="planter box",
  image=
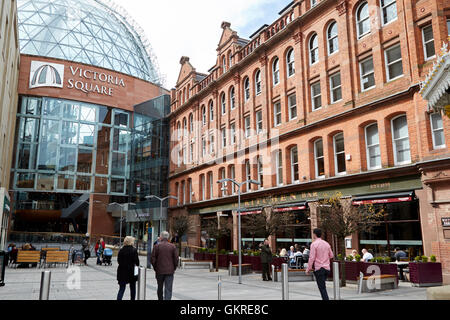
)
(211, 257)
(234, 259)
(295, 276)
(352, 270)
(385, 268)
(247, 259)
(256, 263)
(223, 261)
(277, 262)
(426, 274)
(199, 256)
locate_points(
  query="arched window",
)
(211, 111)
(276, 71)
(223, 103)
(290, 63)
(232, 99)
(400, 140)
(204, 115)
(339, 153)
(314, 49)
(279, 167)
(179, 130)
(362, 20)
(332, 37)
(191, 123)
(184, 126)
(246, 89)
(230, 60)
(258, 83)
(224, 64)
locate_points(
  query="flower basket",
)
(425, 274)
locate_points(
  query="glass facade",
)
(85, 31)
(70, 146)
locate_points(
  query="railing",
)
(279, 25)
(250, 47)
(45, 237)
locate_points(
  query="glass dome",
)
(85, 31)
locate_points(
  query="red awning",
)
(289, 209)
(387, 200)
(244, 213)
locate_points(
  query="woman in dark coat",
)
(127, 259)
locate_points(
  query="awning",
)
(291, 207)
(384, 198)
(246, 211)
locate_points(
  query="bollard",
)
(336, 284)
(219, 288)
(273, 273)
(230, 269)
(284, 282)
(44, 293)
(360, 282)
(142, 281)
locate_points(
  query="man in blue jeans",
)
(319, 257)
(164, 261)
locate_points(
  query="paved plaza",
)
(99, 282)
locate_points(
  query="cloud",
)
(177, 28)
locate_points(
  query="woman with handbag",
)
(128, 260)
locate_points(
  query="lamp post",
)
(121, 218)
(149, 240)
(239, 216)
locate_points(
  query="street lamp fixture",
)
(239, 185)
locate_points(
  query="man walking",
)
(266, 258)
(319, 256)
(164, 261)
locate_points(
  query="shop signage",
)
(377, 201)
(44, 74)
(445, 221)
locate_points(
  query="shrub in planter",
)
(424, 259)
(357, 258)
(432, 258)
(423, 273)
(223, 251)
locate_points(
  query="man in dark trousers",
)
(266, 259)
(164, 261)
(319, 257)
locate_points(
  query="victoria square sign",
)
(44, 74)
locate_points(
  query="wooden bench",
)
(54, 257)
(47, 249)
(28, 256)
(198, 264)
(378, 283)
(246, 268)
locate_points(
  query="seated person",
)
(354, 253)
(283, 253)
(291, 254)
(366, 255)
(305, 251)
(399, 254)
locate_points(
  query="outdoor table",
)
(401, 265)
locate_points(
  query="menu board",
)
(445, 221)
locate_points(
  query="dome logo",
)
(44, 74)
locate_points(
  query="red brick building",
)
(325, 99)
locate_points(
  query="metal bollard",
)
(274, 275)
(360, 282)
(219, 288)
(230, 269)
(142, 281)
(44, 293)
(284, 282)
(336, 284)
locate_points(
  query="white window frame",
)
(224, 64)
(331, 39)
(313, 3)
(276, 71)
(384, 7)
(293, 165)
(233, 177)
(260, 170)
(425, 43)
(248, 174)
(337, 153)
(191, 152)
(191, 123)
(372, 146)
(448, 28)
(259, 121)
(388, 64)
(190, 190)
(292, 106)
(223, 103)
(359, 35)
(275, 114)
(223, 188)
(279, 167)
(232, 99)
(203, 185)
(233, 133)
(246, 89)
(211, 185)
(224, 137)
(258, 83)
(332, 89)
(361, 75)
(394, 145)
(211, 111)
(313, 49)
(211, 143)
(433, 130)
(316, 167)
(313, 104)
(203, 146)
(247, 126)
(290, 63)
(204, 115)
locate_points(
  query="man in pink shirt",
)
(319, 256)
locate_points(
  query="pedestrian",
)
(367, 256)
(319, 257)
(128, 260)
(99, 247)
(157, 241)
(164, 261)
(85, 248)
(266, 259)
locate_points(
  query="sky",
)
(177, 28)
